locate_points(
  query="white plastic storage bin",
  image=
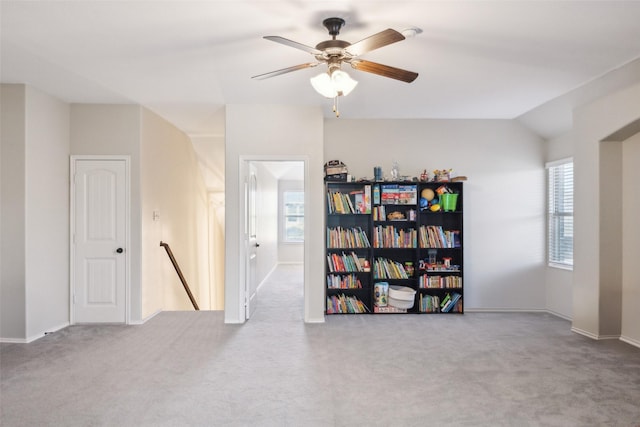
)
(401, 296)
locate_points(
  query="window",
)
(560, 213)
(293, 209)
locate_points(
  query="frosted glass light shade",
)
(323, 85)
(342, 82)
(338, 84)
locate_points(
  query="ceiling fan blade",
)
(285, 70)
(282, 40)
(384, 70)
(376, 41)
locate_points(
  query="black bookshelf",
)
(382, 234)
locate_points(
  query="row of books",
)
(433, 236)
(392, 237)
(429, 303)
(339, 237)
(449, 303)
(350, 281)
(339, 304)
(433, 304)
(345, 263)
(355, 202)
(398, 194)
(440, 282)
(384, 268)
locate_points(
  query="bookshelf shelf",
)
(385, 234)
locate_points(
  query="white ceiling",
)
(185, 59)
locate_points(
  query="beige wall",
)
(631, 240)
(165, 178)
(12, 212)
(595, 301)
(172, 187)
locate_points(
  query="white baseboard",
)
(13, 340)
(630, 341)
(562, 316)
(584, 333)
(146, 319)
(504, 310)
(34, 337)
(266, 277)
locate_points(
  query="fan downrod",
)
(333, 25)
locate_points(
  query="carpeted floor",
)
(190, 369)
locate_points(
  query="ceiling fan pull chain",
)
(335, 106)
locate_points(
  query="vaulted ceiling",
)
(186, 60)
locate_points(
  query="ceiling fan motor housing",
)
(333, 25)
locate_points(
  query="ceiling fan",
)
(335, 52)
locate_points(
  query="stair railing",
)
(180, 275)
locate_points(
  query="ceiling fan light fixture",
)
(338, 83)
(342, 82)
(323, 85)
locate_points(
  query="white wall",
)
(631, 240)
(593, 123)
(47, 213)
(276, 132)
(559, 282)
(35, 214)
(504, 198)
(288, 252)
(12, 213)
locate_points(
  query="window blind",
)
(560, 214)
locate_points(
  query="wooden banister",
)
(182, 279)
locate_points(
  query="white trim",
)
(562, 316)
(266, 278)
(146, 319)
(630, 341)
(560, 266)
(584, 333)
(127, 253)
(558, 162)
(504, 310)
(14, 340)
(34, 337)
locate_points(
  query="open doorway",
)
(274, 223)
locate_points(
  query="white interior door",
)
(99, 234)
(251, 242)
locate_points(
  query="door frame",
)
(243, 173)
(72, 223)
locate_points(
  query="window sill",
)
(560, 266)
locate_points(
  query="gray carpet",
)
(190, 369)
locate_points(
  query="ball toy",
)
(428, 194)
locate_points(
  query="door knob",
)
(119, 250)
